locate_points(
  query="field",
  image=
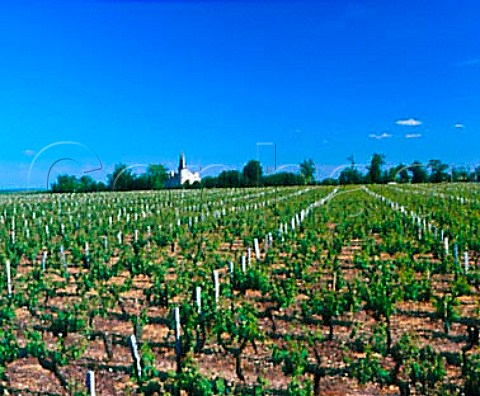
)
(367, 290)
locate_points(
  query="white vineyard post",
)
(257, 249)
(63, 258)
(232, 268)
(136, 356)
(216, 284)
(9, 278)
(178, 350)
(198, 298)
(91, 383)
(44, 260)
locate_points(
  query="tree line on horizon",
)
(434, 171)
(156, 176)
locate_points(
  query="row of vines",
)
(286, 291)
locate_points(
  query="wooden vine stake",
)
(135, 355)
(91, 383)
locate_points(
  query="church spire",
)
(182, 164)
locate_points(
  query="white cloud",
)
(409, 122)
(413, 135)
(28, 153)
(459, 126)
(384, 135)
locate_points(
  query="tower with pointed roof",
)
(182, 164)
(184, 175)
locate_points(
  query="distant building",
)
(178, 179)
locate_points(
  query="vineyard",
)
(366, 290)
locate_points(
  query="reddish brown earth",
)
(26, 376)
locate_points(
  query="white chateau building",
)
(177, 179)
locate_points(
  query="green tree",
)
(398, 173)
(252, 173)
(283, 179)
(375, 169)
(121, 179)
(157, 175)
(307, 170)
(209, 182)
(476, 174)
(87, 184)
(419, 174)
(231, 178)
(438, 172)
(350, 175)
(65, 183)
(460, 174)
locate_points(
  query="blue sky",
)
(139, 81)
